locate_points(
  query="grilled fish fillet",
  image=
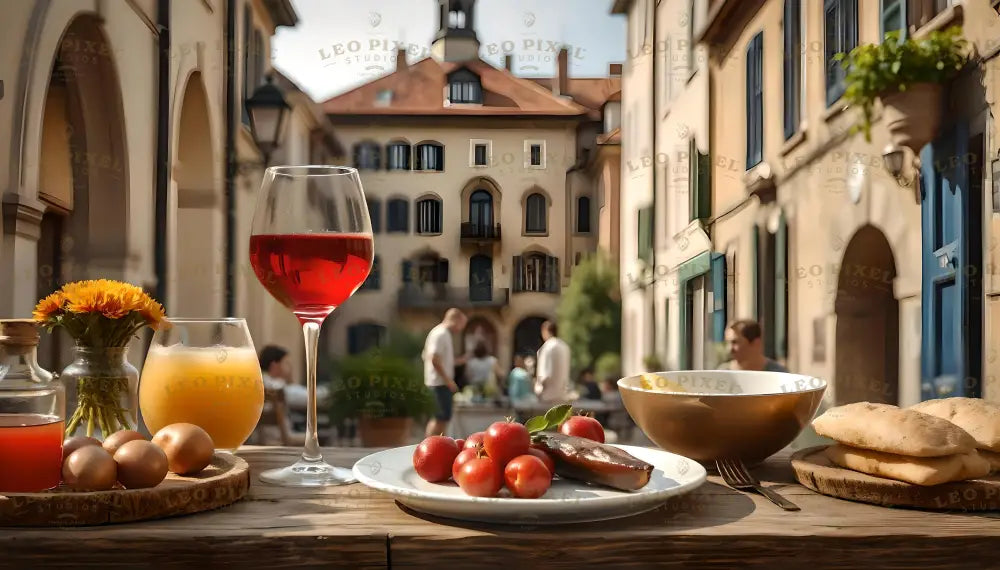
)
(592, 462)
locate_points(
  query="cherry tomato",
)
(460, 443)
(474, 440)
(463, 457)
(480, 477)
(506, 440)
(545, 457)
(527, 477)
(583, 426)
(433, 458)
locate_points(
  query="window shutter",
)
(375, 213)
(754, 101)
(442, 271)
(792, 65)
(718, 273)
(518, 284)
(781, 289)
(755, 256)
(376, 273)
(704, 186)
(693, 181)
(552, 274)
(407, 269)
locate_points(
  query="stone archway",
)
(83, 170)
(480, 329)
(197, 253)
(527, 336)
(867, 337)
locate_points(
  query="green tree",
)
(590, 311)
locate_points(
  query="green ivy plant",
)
(379, 384)
(875, 70)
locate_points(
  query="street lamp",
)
(267, 109)
(893, 160)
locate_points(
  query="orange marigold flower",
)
(48, 307)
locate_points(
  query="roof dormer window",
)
(464, 87)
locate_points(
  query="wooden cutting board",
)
(815, 471)
(225, 481)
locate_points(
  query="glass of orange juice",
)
(203, 372)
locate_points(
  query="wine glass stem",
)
(310, 332)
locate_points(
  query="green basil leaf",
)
(557, 415)
(536, 424)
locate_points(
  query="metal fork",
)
(737, 476)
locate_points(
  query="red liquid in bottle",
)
(311, 274)
(30, 452)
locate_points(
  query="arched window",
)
(367, 155)
(397, 155)
(362, 337)
(464, 86)
(398, 216)
(429, 216)
(535, 214)
(583, 214)
(536, 272)
(375, 213)
(481, 210)
(430, 157)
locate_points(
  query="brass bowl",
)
(708, 415)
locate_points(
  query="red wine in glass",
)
(311, 274)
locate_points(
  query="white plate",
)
(566, 500)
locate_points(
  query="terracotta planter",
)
(384, 432)
(913, 117)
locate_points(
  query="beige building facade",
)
(485, 189)
(833, 254)
(118, 158)
(666, 250)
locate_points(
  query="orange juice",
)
(217, 388)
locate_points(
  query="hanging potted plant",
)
(908, 76)
(102, 316)
(384, 392)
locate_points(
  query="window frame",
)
(792, 72)
(405, 216)
(463, 79)
(528, 144)
(754, 94)
(418, 162)
(356, 147)
(545, 215)
(473, 143)
(436, 218)
(354, 330)
(374, 213)
(846, 37)
(374, 280)
(589, 217)
(389, 166)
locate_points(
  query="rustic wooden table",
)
(355, 527)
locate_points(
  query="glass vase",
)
(102, 392)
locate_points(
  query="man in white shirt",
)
(552, 380)
(439, 367)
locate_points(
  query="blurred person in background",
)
(483, 370)
(746, 348)
(519, 381)
(552, 380)
(439, 366)
(276, 369)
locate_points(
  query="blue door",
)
(950, 340)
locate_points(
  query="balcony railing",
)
(439, 295)
(480, 232)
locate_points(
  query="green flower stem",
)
(99, 401)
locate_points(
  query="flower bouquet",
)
(102, 316)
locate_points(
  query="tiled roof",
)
(592, 93)
(419, 89)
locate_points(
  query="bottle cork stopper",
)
(19, 332)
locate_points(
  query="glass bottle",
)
(32, 413)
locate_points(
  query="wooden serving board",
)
(225, 481)
(814, 470)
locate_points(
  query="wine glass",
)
(311, 247)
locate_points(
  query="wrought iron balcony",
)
(480, 233)
(439, 295)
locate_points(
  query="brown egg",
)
(73, 443)
(189, 448)
(141, 464)
(90, 468)
(117, 439)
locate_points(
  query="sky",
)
(340, 44)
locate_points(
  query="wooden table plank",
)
(356, 527)
(272, 526)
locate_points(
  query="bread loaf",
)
(889, 429)
(925, 471)
(978, 417)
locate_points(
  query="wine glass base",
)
(308, 474)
